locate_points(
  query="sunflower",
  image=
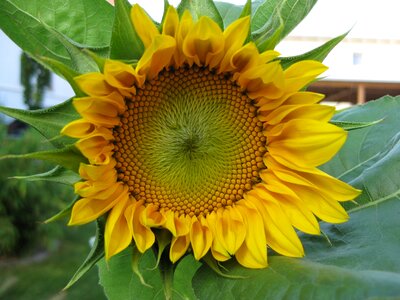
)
(207, 140)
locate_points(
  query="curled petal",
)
(230, 229)
(171, 22)
(264, 80)
(204, 44)
(100, 111)
(144, 26)
(185, 25)
(218, 251)
(94, 84)
(87, 210)
(253, 252)
(181, 241)
(117, 235)
(80, 128)
(143, 235)
(200, 237)
(235, 35)
(155, 58)
(97, 148)
(120, 76)
(98, 173)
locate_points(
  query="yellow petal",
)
(120, 76)
(80, 128)
(185, 25)
(329, 186)
(143, 236)
(278, 229)
(151, 217)
(253, 252)
(98, 111)
(179, 246)
(116, 234)
(98, 190)
(294, 207)
(156, 57)
(305, 142)
(96, 148)
(217, 249)
(230, 229)
(235, 35)
(86, 210)
(98, 173)
(180, 242)
(171, 22)
(301, 73)
(94, 84)
(264, 80)
(144, 26)
(285, 113)
(200, 237)
(204, 44)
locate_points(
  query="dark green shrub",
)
(25, 205)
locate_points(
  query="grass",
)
(26, 279)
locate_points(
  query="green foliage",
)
(23, 205)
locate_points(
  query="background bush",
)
(25, 205)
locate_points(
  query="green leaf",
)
(58, 174)
(125, 43)
(87, 23)
(362, 261)
(48, 122)
(63, 213)
(370, 157)
(318, 54)
(229, 12)
(291, 13)
(200, 8)
(68, 157)
(269, 35)
(119, 282)
(94, 256)
(354, 125)
(66, 72)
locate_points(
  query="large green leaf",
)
(200, 8)
(229, 12)
(125, 43)
(362, 261)
(319, 53)
(120, 282)
(264, 21)
(86, 24)
(48, 122)
(370, 157)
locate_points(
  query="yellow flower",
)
(208, 139)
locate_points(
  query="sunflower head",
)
(208, 139)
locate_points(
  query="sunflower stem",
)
(167, 269)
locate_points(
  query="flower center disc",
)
(189, 141)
